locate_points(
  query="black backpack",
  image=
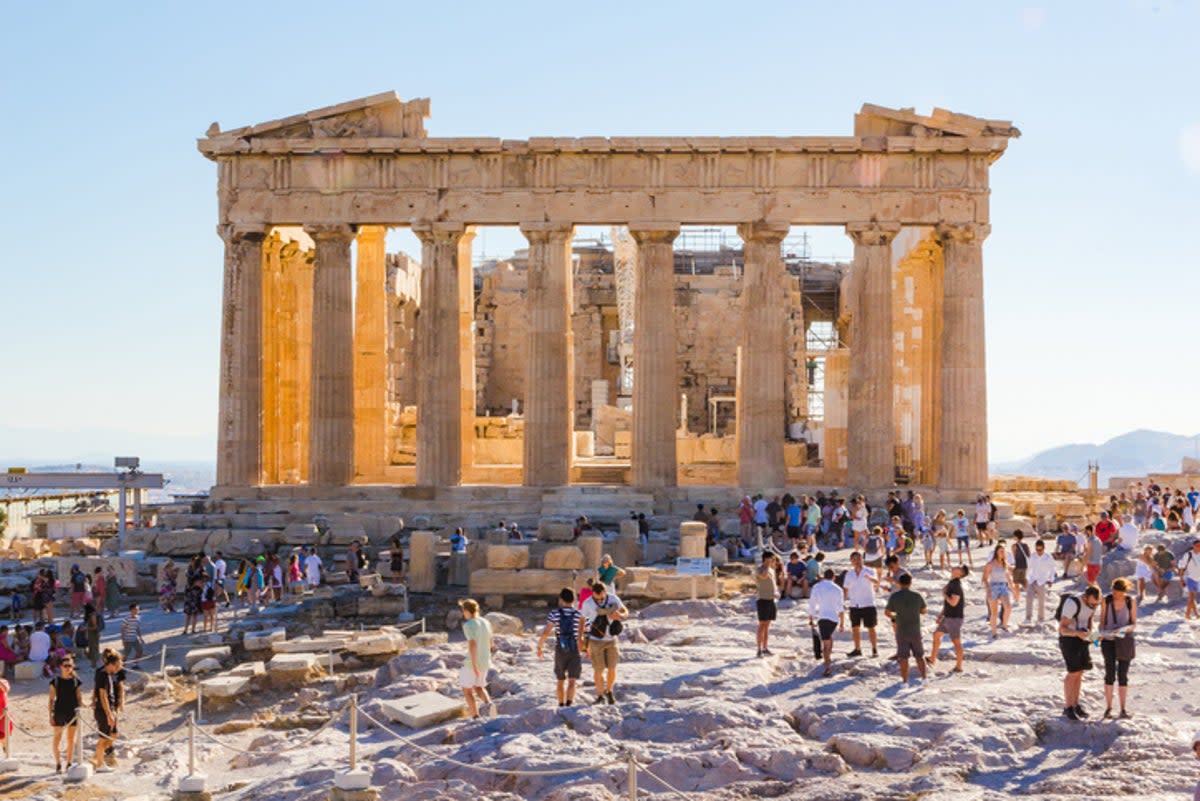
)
(1062, 600)
(568, 625)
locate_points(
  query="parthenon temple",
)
(666, 352)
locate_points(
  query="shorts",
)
(604, 654)
(1093, 572)
(468, 679)
(795, 532)
(567, 664)
(964, 543)
(102, 726)
(943, 545)
(1075, 653)
(827, 628)
(77, 599)
(951, 627)
(998, 590)
(1192, 585)
(1170, 574)
(767, 610)
(867, 616)
(981, 527)
(1142, 571)
(910, 646)
(875, 563)
(1018, 575)
(208, 606)
(69, 720)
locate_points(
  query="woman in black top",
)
(66, 697)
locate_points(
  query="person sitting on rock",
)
(608, 573)
(795, 584)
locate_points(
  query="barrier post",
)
(331, 662)
(8, 765)
(633, 791)
(162, 663)
(81, 771)
(355, 780)
(199, 702)
(193, 784)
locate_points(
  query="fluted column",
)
(272, 402)
(871, 435)
(239, 423)
(370, 355)
(331, 443)
(964, 377)
(762, 381)
(549, 374)
(654, 364)
(445, 364)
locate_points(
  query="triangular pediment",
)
(875, 120)
(381, 115)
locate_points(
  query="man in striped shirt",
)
(131, 633)
(564, 622)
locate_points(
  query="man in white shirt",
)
(826, 605)
(220, 570)
(1039, 575)
(312, 568)
(602, 615)
(1127, 535)
(859, 585)
(39, 643)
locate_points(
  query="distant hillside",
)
(1134, 454)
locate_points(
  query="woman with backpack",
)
(1118, 616)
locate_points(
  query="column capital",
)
(873, 232)
(234, 232)
(432, 232)
(340, 231)
(372, 233)
(763, 231)
(653, 231)
(547, 231)
(965, 233)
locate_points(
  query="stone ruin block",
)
(300, 534)
(563, 557)
(27, 671)
(522, 582)
(693, 538)
(197, 655)
(507, 557)
(629, 528)
(550, 531)
(422, 709)
(291, 670)
(263, 640)
(593, 550)
(224, 688)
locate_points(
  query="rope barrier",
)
(290, 746)
(658, 779)
(485, 768)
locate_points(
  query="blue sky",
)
(112, 269)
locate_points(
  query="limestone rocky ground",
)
(701, 712)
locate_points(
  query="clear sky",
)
(112, 269)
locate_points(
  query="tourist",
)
(1106, 531)
(874, 548)
(714, 527)
(256, 582)
(904, 608)
(275, 573)
(91, 626)
(983, 515)
(608, 573)
(602, 615)
(1020, 565)
(58, 650)
(962, 535)
(193, 596)
(796, 577)
(473, 676)
(99, 588)
(859, 585)
(1164, 560)
(1189, 578)
(794, 522)
(700, 516)
(295, 574)
(746, 521)
(208, 607)
(950, 621)
(564, 622)
(396, 556)
(220, 575)
(1118, 617)
(1093, 554)
(21, 636)
(131, 634)
(812, 524)
(108, 703)
(6, 725)
(168, 586)
(458, 541)
(312, 569)
(859, 515)
(998, 584)
(1127, 535)
(768, 591)
(8, 654)
(1075, 615)
(78, 582)
(1145, 571)
(39, 643)
(66, 699)
(1064, 549)
(112, 591)
(1040, 576)
(826, 613)
(941, 538)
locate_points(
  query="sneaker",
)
(1107, 714)
(1070, 713)
(1124, 715)
(569, 702)
(874, 652)
(58, 767)
(855, 652)
(1080, 713)
(767, 652)
(758, 653)
(599, 700)
(610, 698)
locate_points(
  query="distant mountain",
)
(1134, 454)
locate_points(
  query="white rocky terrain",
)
(698, 710)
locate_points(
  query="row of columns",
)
(350, 339)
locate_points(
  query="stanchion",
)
(192, 786)
(81, 771)
(162, 663)
(8, 764)
(632, 778)
(356, 782)
(331, 663)
(199, 702)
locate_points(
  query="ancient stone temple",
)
(342, 364)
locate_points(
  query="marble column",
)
(331, 442)
(549, 374)
(370, 355)
(272, 402)
(239, 416)
(964, 377)
(445, 356)
(655, 381)
(871, 424)
(762, 381)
